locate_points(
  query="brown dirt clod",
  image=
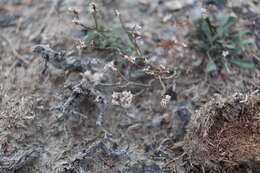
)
(225, 132)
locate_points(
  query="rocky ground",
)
(142, 138)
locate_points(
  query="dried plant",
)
(102, 38)
(125, 87)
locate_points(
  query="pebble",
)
(143, 167)
(180, 120)
(178, 4)
(5, 21)
(218, 3)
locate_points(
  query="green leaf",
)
(205, 27)
(229, 45)
(197, 62)
(211, 27)
(225, 26)
(242, 31)
(247, 41)
(201, 44)
(243, 63)
(211, 66)
(139, 60)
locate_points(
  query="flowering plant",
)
(101, 38)
(221, 41)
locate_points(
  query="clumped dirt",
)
(145, 138)
(225, 131)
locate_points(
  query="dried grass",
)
(225, 132)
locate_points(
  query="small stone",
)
(143, 167)
(178, 4)
(180, 120)
(145, 1)
(5, 21)
(218, 3)
(78, 33)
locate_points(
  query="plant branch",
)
(132, 40)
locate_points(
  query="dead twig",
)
(46, 19)
(16, 54)
(175, 159)
(18, 159)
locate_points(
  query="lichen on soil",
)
(51, 121)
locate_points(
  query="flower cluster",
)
(123, 99)
(117, 13)
(94, 78)
(165, 99)
(225, 53)
(135, 30)
(92, 8)
(76, 21)
(81, 44)
(110, 66)
(150, 66)
(204, 13)
(130, 58)
(147, 70)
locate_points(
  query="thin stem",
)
(130, 82)
(109, 49)
(170, 77)
(109, 84)
(138, 50)
(127, 84)
(122, 76)
(139, 84)
(95, 20)
(139, 93)
(85, 27)
(209, 56)
(132, 40)
(163, 85)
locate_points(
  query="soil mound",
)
(224, 134)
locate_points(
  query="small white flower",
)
(76, 21)
(115, 98)
(162, 67)
(135, 30)
(94, 78)
(184, 45)
(137, 27)
(92, 8)
(165, 100)
(81, 45)
(73, 10)
(126, 99)
(225, 53)
(97, 77)
(117, 13)
(204, 12)
(99, 99)
(130, 58)
(123, 99)
(110, 66)
(148, 71)
(167, 18)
